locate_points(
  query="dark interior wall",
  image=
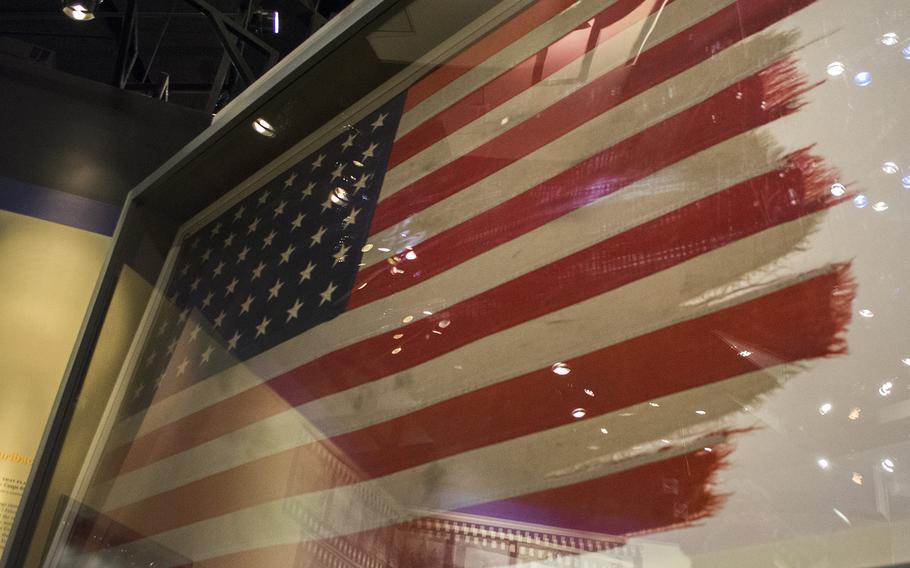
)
(73, 135)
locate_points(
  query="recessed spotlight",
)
(81, 10)
(264, 127)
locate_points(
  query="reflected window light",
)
(906, 361)
(886, 388)
(444, 323)
(700, 412)
(709, 450)
(396, 351)
(836, 68)
(862, 79)
(604, 431)
(357, 163)
(504, 121)
(411, 255)
(890, 168)
(745, 353)
(366, 248)
(384, 249)
(589, 392)
(664, 441)
(427, 313)
(890, 39)
(407, 319)
(905, 181)
(857, 478)
(842, 516)
(437, 332)
(867, 313)
(825, 408)
(906, 51)
(339, 196)
(838, 189)
(559, 368)
(860, 201)
(880, 207)
(579, 413)
(654, 404)
(264, 127)
(398, 336)
(854, 414)
(888, 465)
(823, 463)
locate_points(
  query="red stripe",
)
(800, 322)
(659, 63)
(662, 243)
(649, 498)
(486, 47)
(521, 77)
(737, 109)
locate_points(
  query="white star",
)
(264, 197)
(273, 291)
(171, 346)
(295, 224)
(305, 273)
(181, 368)
(286, 255)
(292, 313)
(340, 255)
(232, 342)
(379, 121)
(208, 299)
(195, 332)
(216, 229)
(220, 319)
(230, 287)
(349, 141)
(229, 240)
(207, 354)
(318, 161)
(252, 226)
(290, 181)
(327, 204)
(280, 209)
(245, 306)
(368, 153)
(206, 255)
(338, 172)
(218, 269)
(362, 182)
(239, 213)
(138, 392)
(317, 237)
(243, 253)
(257, 272)
(195, 284)
(260, 329)
(327, 294)
(308, 190)
(183, 315)
(268, 239)
(162, 327)
(351, 218)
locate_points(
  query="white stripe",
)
(366, 321)
(655, 105)
(501, 61)
(605, 57)
(517, 467)
(532, 345)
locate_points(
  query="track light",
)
(81, 10)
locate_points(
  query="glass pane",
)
(618, 283)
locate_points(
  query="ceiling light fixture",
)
(81, 10)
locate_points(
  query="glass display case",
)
(584, 283)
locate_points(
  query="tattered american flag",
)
(518, 292)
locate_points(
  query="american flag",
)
(528, 290)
